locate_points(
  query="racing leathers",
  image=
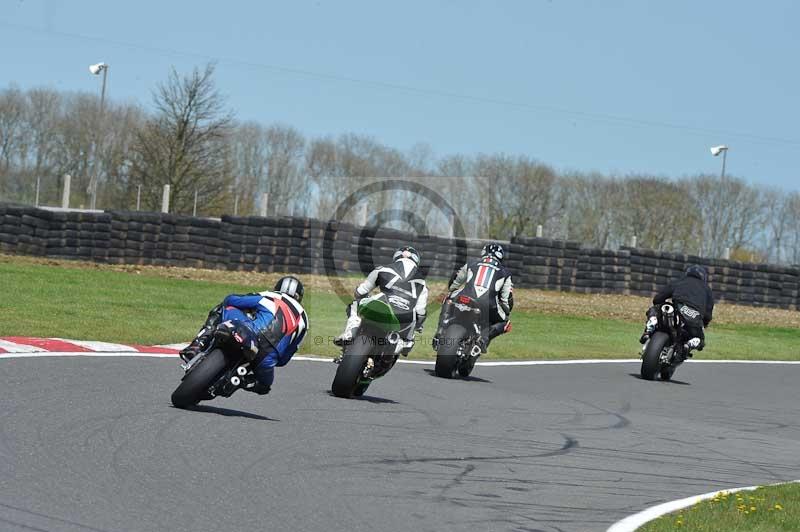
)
(693, 300)
(401, 286)
(489, 283)
(277, 320)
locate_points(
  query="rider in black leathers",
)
(487, 282)
(692, 298)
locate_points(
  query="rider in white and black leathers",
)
(489, 283)
(405, 290)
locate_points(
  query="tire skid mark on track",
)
(614, 471)
(569, 445)
(46, 517)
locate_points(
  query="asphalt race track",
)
(93, 444)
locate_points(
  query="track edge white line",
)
(312, 358)
(632, 522)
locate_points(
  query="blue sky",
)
(614, 86)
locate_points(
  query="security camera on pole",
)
(96, 69)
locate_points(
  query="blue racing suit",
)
(279, 322)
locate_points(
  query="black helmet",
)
(493, 250)
(406, 252)
(291, 286)
(697, 271)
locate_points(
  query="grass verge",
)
(49, 298)
(766, 509)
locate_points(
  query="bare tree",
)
(658, 213)
(731, 210)
(186, 145)
(12, 135)
(590, 204)
(793, 233)
(45, 111)
(269, 160)
(338, 168)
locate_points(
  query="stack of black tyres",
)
(602, 271)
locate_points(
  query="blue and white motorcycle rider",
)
(403, 287)
(273, 322)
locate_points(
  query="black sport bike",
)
(665, 350)
(458, 348)
(220, 369)
(373, 350)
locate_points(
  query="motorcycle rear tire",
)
(651, 361)
(447, 354)
(195, 384)
(351, 368)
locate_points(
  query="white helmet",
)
(406, 252)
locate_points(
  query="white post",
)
(727, 254)
(539, 231)
(633, 241)
(362, 218)
(65, 192)
(165, 199)
(264, 203)
(38, 183)
(138, 196)
(194, 208)
(236, 205)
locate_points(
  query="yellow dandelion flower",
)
(778, 507)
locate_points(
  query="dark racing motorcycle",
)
(374, 348)
(665, 350)
(220, 369)
(458, 348)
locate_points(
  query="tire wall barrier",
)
(305, 245)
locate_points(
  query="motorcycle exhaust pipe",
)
(241, 371)
(236, 381)
(668, 312)
(393, 337)
(475, 352)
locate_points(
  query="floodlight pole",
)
(715, 151)
(94, 179)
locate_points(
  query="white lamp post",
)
(715, 151)
(96, 69)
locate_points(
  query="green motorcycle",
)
(375, 347)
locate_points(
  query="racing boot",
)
(483, 343)
(649, 329)
(693, 344)
(199, 343)
(353, 322)
(259, 388)
(491, 333)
